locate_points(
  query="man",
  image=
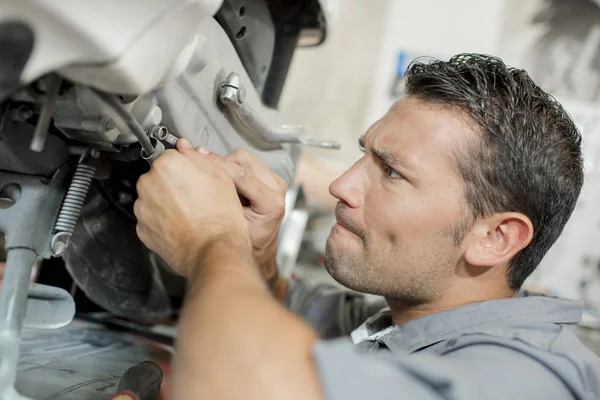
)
(464, 185)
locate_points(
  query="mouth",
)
(344, 224)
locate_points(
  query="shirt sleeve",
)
(331, 311)
(478, 372)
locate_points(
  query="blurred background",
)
(339, 89)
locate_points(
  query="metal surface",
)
(48, 307)
(232, 95)
(292, 230)
(13, 303)
(250, 28)
(83, 361)
(158, 149)
(134, 126)
(27, 221)
(71, 208)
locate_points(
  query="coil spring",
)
(73, 202)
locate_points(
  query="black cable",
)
(113, 102)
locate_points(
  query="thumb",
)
(183, 144)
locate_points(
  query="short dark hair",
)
(529, 157)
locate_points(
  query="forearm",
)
(236, 341)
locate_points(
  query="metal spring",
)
(73, 202)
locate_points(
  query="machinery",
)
(90, 94)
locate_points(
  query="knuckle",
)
(241, 152)
(141, 183)
(136, 209)
(139, 232)
(280, 209)
(167, 161)
(244, 173)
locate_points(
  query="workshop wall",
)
(328, 86)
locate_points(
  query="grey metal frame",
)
(27, 224)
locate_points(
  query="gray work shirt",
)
(518, 348)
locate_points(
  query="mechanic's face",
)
(402, 206)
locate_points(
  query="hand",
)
(262, 194)
(184, 206)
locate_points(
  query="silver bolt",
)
(241, 95)
(109, 123)
(94, 153)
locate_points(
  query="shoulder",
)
(530, 359)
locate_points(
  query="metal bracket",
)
(232, 95)
(27, 217)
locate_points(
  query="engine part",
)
(104, 48)
(133, 125)
(16, 156)
(27, 223)
(197, 114)
(249, 25)
(158, 149)
(110, 264)
(71, 208)
(232, 96)
(161, 132)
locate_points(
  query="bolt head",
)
(109, 124)
(241, 95)
(94, 153)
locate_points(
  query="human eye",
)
(392, 173)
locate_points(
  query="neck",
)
(403, 311)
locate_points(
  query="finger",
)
(246, 159)
(183, 144)
(200, 159)
(261, 196)
(263, 199)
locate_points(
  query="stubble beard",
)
(393, 277)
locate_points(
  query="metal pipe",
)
(43, 124)
(15, 286)
(113, 102)
(13, 305)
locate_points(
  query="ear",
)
(496, 239)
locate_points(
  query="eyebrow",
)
(386, 157)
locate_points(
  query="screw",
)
(21, 113)
(94, 153)
(109, 123)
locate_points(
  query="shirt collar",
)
(433, 328)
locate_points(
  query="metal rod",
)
(13, 304)
(15, 286)
(43, 124)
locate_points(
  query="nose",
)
(349, 188)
